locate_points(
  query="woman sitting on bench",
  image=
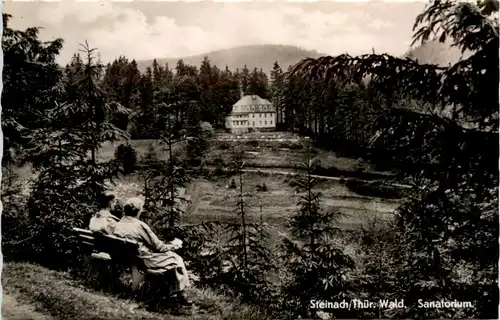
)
(103, 221)
(155, 253)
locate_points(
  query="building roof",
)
(252, 100)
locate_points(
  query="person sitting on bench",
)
(103, 221)
(117, 208)
(156, 254)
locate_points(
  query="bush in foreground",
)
(127, 157)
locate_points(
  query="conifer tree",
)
(244, 79)
(276, 93)
(31, 85)
(164, 179)
(317, 265)
(247, 249)
(64, 154)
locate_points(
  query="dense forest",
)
(437, 126)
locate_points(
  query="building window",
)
(253, 124)
(260, 115)
(253, 116)
(271, 122)
(265, 122)
(260, 122)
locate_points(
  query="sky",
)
(145, 30)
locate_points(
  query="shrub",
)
(127, 157)
(375, 189)
(262, 188)
(219, 164)
(14, 217)
(207, 129)
(233, 184)
(252, 143)
(296, 146)
(132, 130)
(150, 155)
(223, 145)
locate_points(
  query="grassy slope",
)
(33, 292)
(259, 154)
(213, 201)
(15, 308)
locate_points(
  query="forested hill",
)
(260, 56)
(435, 52)
(264, 56)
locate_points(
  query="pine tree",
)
(276, 92)
(145, 115)
(70, 176)
(164, 179)
(120, 83)
(31, 85)
(206, 95)
(317, 266)
(244, 79)
(197, 140)
(247, 249)
(227, 93)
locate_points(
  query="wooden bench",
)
(121, 251)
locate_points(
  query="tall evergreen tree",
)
(247, 248)
(317, 265)
(244, 79)
(31, 84)
(164, 179)
(258, 84)
(64, 153)
(276, 92)
(207, 99)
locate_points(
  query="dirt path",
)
(13, 309)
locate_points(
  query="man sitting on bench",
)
(155, 253)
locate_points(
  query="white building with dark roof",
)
(251, 113)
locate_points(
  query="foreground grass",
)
(46, 294)
(13, 308)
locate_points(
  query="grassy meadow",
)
(215, 201)
(279, 150)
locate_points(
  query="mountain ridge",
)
(264, 56)
(253, 56)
